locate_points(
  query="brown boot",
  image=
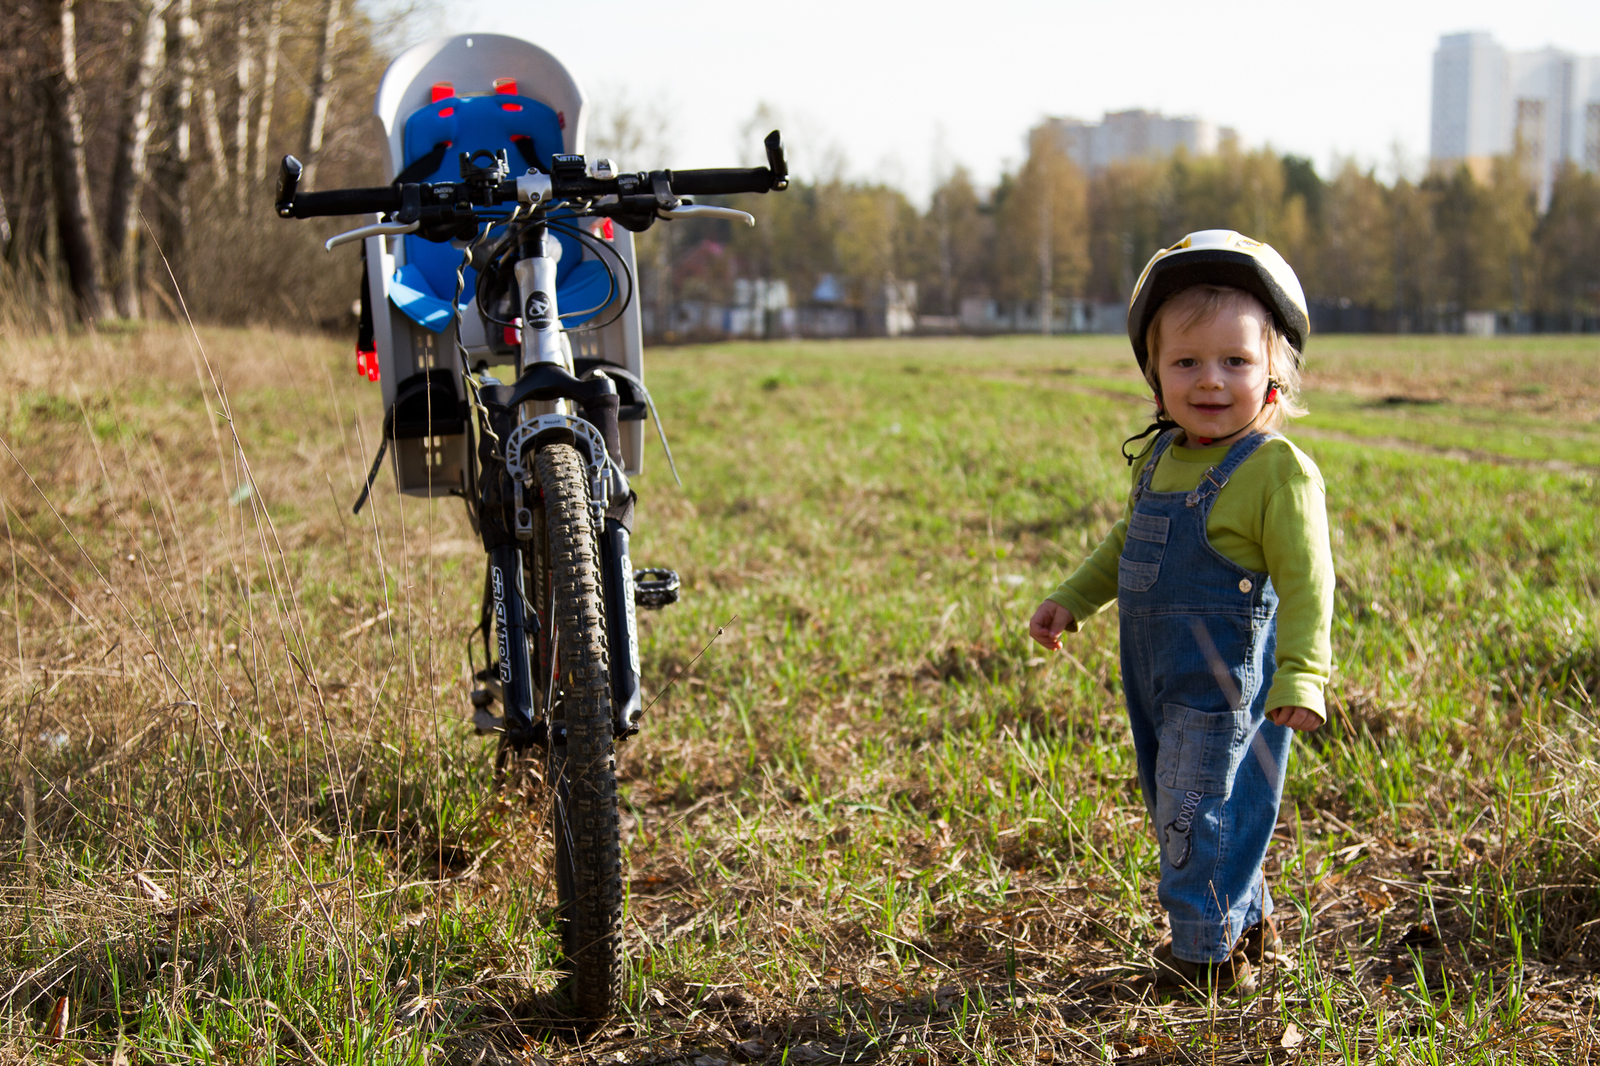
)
(1233, 974)
(1261, 944)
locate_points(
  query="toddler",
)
(1223, 580)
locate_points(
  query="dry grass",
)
(245, 820)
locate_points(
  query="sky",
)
(901, 92)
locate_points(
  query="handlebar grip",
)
(722, 181)
(346, 202)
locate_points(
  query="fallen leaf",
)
(751, 1050)
(56, 1028)
(1292, 1036)
(1375, 901)
(1345, 855)
(193, 909)
(150, 888)
(1421, 936)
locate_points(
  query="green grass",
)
(873, 820)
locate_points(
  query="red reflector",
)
(513, 333)
(442, 90)
(505, 86)
(561, 119)
(607, 230)
(446, 112)
(367, 364)
(511, 107)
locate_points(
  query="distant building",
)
(1122, 135)
(1487, 101)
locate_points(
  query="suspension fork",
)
(622, 630)
(511, 633)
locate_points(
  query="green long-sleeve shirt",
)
(1271, 516)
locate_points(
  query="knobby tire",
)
(583, 772)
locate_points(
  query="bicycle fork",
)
(622, 628)
(511, 633)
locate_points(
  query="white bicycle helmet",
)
(1219, 257)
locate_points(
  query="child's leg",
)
(1216, 808)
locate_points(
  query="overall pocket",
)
(1200, 750)
(1146, 543)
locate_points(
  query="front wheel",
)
(583, 772)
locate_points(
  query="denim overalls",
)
(1199, 634)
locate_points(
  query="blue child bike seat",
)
(529, 132)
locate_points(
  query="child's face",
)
(1214, 373)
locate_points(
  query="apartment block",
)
(1122, 135)
(1542, 105)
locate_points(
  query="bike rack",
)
(431, 460)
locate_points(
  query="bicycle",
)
(544, 478)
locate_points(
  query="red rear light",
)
(505, 86)
(442, 90)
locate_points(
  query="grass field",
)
(244, 819)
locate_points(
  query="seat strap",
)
(377, 463)
(423, 165)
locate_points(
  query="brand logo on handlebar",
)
(500, 624)
(537, 313)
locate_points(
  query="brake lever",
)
(706, 211)
(381, 229)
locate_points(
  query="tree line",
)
(1455, 240)
(139, 140)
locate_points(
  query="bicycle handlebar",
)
(570, 179)
(342, 202)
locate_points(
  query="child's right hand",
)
(1048, 623)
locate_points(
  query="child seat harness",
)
(528, 131)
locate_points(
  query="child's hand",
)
(1301, 718)
(1048, 623)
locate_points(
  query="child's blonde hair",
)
(1199, 304)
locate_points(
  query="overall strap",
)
(1162, 443)
(1218, 476)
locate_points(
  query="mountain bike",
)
(545, 484)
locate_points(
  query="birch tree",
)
(171, 169)
(244, 82)
(269, 85)
(74, 213)
(321, 91)
(130, 171)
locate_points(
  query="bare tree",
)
(171, 169)
(244, 79)
(321, 91)
(74, 213)
(130, 170)
(269, 84)
(210, 119)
